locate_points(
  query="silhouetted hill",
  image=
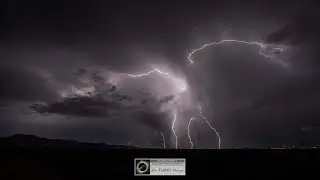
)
(31, 141)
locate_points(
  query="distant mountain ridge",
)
(32, 141)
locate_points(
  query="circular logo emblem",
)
(142, 167)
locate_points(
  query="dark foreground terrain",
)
(31, 141)
(30, 157)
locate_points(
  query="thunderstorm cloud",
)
(71, 72)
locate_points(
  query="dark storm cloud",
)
(111, 104)
(166, 99)
(80, 72)
(20, 84)
(302, 27)
(97, 106)
(302, 32)
(155, 120)
(258, 104)
(64, 38)
(94, 104)
(147, 115)
(275, 117)
(78, 106)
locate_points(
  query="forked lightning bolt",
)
(184, 85)
(261, 45)
(218, 135)
(189, 136)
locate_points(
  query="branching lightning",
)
(261, 45)
(218, 135)
(189, 136)
(183, 87)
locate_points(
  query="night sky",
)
(65, 71)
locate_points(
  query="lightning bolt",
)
(172, 127)
(261, 45)
(183, 88)
(194, 51)
(163, 140)
(212, 128)
(189, 136)
(184, 85)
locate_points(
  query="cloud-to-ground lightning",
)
(189, 136)
(163, 140)
(172, 127)
(261, 45)
(183, 84)
(183, 88)
(218, 135)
